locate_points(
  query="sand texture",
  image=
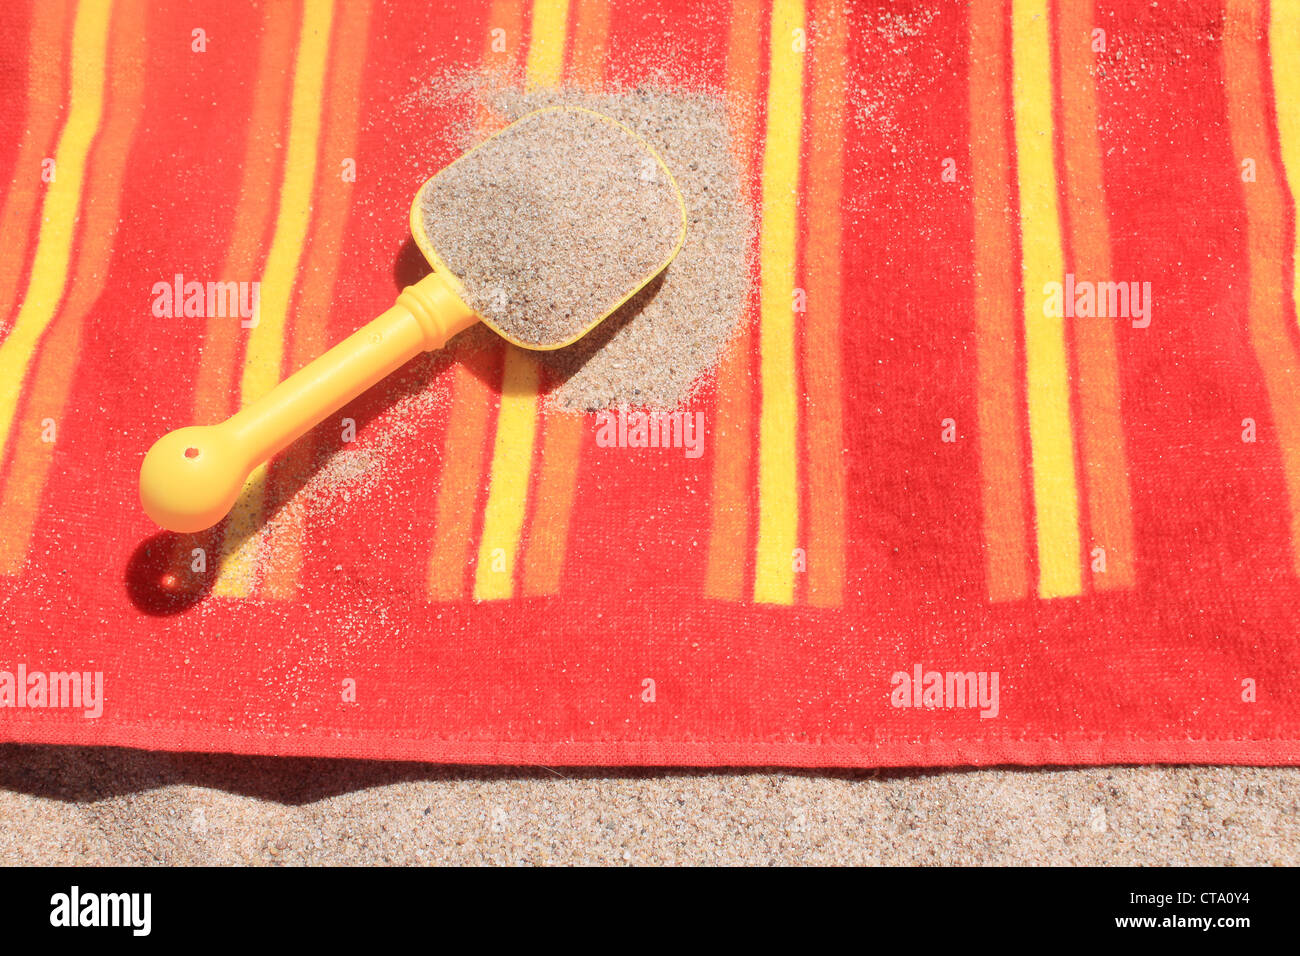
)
(662, 345)
(553, 222)
(108, 806)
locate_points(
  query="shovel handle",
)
(191, 477)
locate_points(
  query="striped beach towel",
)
(1002, 467)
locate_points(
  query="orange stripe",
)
(464, 455)
(548, 539)
(472, 400)
(730, 538)
(214, 397)
(1266, 201)
(823, 405)
(508, 16)
(283, 554)
(51, 381)
(46, 107)
(561, 451)
(1105, 464)
(999, 411)
(591, 42)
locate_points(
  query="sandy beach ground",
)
(65, 805)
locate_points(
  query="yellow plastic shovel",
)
(191, 477)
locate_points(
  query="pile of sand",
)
(552, 223)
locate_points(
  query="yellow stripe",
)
(512, 465)
(778, 499)
(1284, 52)
(266, 341)
(545, 64)
(1056, 494)
(60, 208)
(512, 451)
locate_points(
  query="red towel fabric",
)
(1004, 466)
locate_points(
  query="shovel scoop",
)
(540, 232)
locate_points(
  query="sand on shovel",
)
(660, 346)
(551, 224)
